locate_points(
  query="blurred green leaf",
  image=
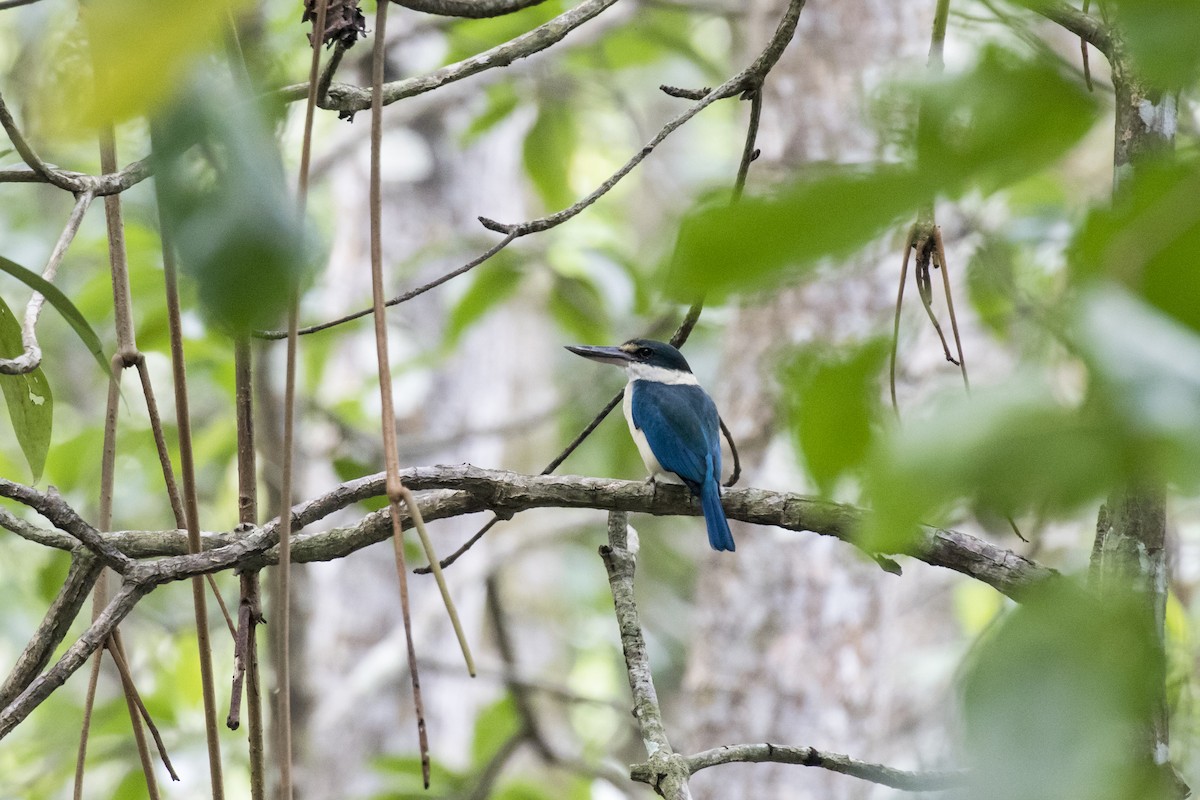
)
(1161, 39)
(1146, 375)
(494, 726)
(549, 147)
(143, 48)
(30, 403)
(991, 283)
(493, 283)
(832, 403)
(758, 241)
(986, 128)
(502, 101)
(1006, 118)
(63, 305)
(1003, 451)
(52, 573)
(579, 309)
(1057, 697)
(405, 781)
(522, 790)
(236, 228)
(348, 468)
(1149, 238)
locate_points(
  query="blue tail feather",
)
(719, 535)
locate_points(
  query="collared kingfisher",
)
(673, 422)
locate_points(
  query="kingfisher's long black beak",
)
(606, 355)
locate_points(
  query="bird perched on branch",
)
(673, 422)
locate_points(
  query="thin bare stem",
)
(191, 509)
(86, 725)
(250, 609)
(908, 247)
(133, 703)
(396, 491)
(283, 657)
(940, 254)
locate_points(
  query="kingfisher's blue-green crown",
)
(656, 354)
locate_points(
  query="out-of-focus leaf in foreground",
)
(1003, 451)
(987, 128)
(1057, 697)
(1018, 448)
(1148, 240)
(143, 49)
(832, 404)
(236, 228)
(1007, 118)
(30, 404)
(1146, 375)
(1161, 39)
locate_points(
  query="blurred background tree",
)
(1065, 192)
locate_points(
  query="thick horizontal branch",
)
(346, 98)
(452, 491)
(904, 780)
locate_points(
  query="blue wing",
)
(680, 424)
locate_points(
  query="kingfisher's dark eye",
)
(643, 352)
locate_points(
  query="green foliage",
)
(831, 399)
(1004, 451)
(549, 147)
(139, 79)
(991, 284)
(28, 397)
(1057, 695)
(236, 228)
(1003, 120)
(494, 282)
(1161, 38)
(494, 726)
(987, 128)
(1149, 238)
(578, 307)
(502, 101)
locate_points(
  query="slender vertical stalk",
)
(284, 570)
(191, 510)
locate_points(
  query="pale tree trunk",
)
(798, 640)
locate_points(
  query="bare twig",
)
(348, 99)
(31, 358)
(909, 241)
(748, 79)
(904, 780)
